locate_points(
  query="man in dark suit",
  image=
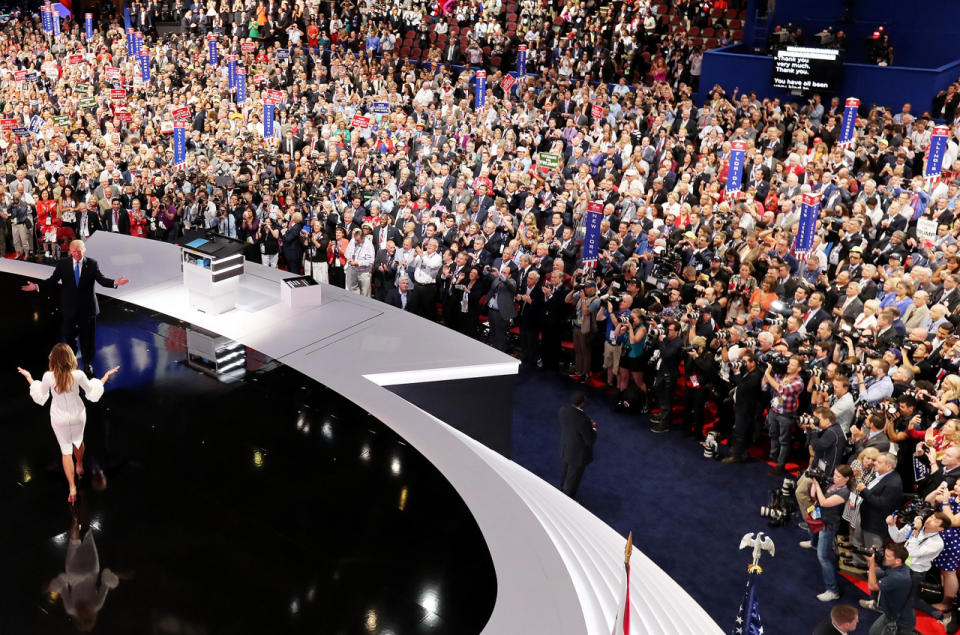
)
(500, 309)
(530, 315)
(577, 436)
(116, 219)
(843, 619)
(78, 302)
(748, 383)
(880, 498)
(947, 472)
(401, 296)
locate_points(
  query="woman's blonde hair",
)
(62, 364)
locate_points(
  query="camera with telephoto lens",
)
(817, 371)
(914, 508)
(778, 364)
(866, 552)
(774, 319)
(816, 474)
(909, 346)
(723, 335)
(822, 387)
(807, 420)
(750, 342)
(710, 445)
(887, 408)
(852, 333)
(853, 369)
(782, 504)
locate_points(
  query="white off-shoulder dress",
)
(68, 415)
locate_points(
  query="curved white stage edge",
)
(559, 568)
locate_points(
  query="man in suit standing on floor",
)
(500, 309)
(78, 302)
(577, 436)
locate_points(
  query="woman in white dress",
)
(68, 416)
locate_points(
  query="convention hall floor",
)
(259, 505)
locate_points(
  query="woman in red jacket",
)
(337, 259)
(48, 221)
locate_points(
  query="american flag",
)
(748, 617)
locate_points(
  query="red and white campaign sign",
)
(19, 76)
(123, 113)
(248, 47)
(361, 122)
(112, 72)
(8, 124)
(76, 59)
(118, 94)
(259, 78)
(597, 111)
(507, 82)
(181, 113)
(739, 144)
(273, 97)
(593, 206)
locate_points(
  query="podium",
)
(300, 291)
(212, 266)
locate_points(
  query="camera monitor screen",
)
(807, 69)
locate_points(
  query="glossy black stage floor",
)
(269, 504)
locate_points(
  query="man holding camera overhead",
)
(787, 388)
(828, 443)
(923, 542)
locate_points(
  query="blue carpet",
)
(687, 513)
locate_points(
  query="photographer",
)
(880, 498)
(878, 386)
(268, 236)
(631, 360)
(899, 430)
(831, 504)
(668, 371)
(871, 435)
(924, 543)
(747, 399)
(786, 389)
(842, 403)
(615, 314)
(584, 298)
(701, 374)
(895, 586)
(828, 445)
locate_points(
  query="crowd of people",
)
(381, 176)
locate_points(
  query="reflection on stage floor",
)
(253, 502)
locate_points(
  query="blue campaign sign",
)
(88, 23)
(268, 118)
(241, 85)
(849, 122)
(283, 54)
(214, 57)
(936, 152)
(35, 124)
(738, 152)
(144, 67)
(591, 238)
(807, 229)
(179, 143)
(481, 90)
(31, 77)
(381, 108)
(21, 132)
